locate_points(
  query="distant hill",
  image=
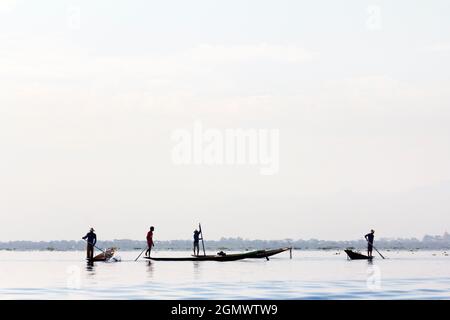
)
(427, 242)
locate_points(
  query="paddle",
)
(376, 250)
(140, 254)
(203, 242)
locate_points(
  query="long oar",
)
(376, 250)
(140, 254)
(203, 242)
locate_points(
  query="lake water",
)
(309, 275)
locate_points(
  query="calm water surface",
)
(309, 275)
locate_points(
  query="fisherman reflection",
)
(150, 269)
(90, 267)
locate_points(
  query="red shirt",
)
(150, 238)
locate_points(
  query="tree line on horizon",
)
(436, 242)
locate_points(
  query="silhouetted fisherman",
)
(150, 242)
(369, 237)
(91, 239)
(196, 242)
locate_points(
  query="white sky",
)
(90, 93)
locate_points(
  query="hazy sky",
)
(92, 91)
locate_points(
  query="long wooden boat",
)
(352, 255)
(258, 254)
(104, 256)
(272, 252)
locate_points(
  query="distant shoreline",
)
(427, 243)
(337, 250)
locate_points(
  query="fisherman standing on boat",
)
(91, 239)
(196, 242)
(150, 242)
(369, 237)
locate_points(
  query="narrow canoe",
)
(352, 255)
(268, 253)
(227, 257)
